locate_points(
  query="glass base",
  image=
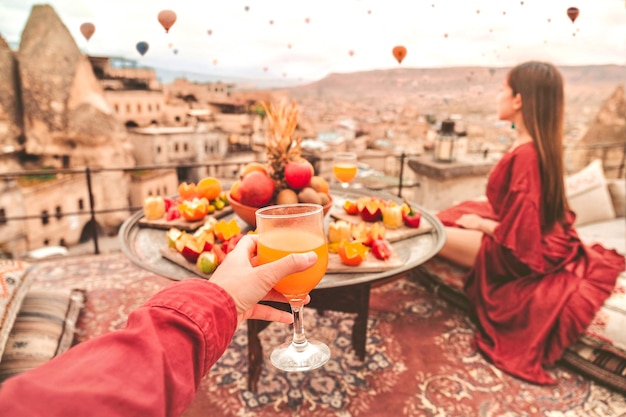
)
(291, 357)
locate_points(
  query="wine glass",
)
(344, 167)
(295, 228)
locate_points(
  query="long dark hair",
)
(540, 85)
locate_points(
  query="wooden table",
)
(345, 292)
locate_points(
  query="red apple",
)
(256, 189)
(298, 174)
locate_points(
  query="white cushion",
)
(610, 233)
(588, 195)
(617, 189)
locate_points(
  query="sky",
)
(309, 39)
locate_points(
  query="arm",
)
(154, 365)
(151, 367)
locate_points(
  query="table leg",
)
(255, 353)
(354, 299)
(359, 329)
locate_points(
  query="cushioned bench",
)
(600, 352)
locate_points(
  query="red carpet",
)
(420, 361)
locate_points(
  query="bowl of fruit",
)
(257, 188)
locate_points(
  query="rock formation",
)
(609, 127)
(11, 134)
(65, 113)
(64, 109)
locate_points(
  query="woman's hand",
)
(475, 222)
(470, 221)
(248, 283)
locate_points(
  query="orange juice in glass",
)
(345, 167)
(282, 230)
(278, 243)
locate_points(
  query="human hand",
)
(248, 283)
(470, 221)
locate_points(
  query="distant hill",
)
(444, 81)
(242, 83)
(462, 90)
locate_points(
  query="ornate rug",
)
(421, 359)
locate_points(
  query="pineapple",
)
(282, 144)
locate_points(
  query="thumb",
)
(290, 264)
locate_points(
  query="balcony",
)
(82, 209)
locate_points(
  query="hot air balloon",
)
(445, 35)
(175, 51)
(265, 69)
(169, 45)
(167, 19)
(572, 12)
(215, 62)
(351, 52)
(289, 46)
(246, 8)
(87, 29)
(142, 47)
(307, 20)
(271, 22)
(399, 52)
(210, 32)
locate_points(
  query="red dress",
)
(532, 293)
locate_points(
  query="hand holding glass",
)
(295, 228)
(344, 167)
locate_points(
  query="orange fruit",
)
(251, 167)
(352, 253)
(234, 191)
(187, 191)
(209, 188)
(319, 184)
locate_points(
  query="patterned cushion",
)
(14, 284)
(43, 329)
(600, 353)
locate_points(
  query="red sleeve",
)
(520, 218)
(150, 368)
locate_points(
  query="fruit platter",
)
(189, 210)
(153, 248)
(357, 247)
(400, 220)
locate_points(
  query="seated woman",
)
(533, 285)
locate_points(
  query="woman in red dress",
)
(533, 285)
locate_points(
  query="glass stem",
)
(299, 339)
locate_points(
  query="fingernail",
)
(310, 256)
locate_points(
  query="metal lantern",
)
(445, 149)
